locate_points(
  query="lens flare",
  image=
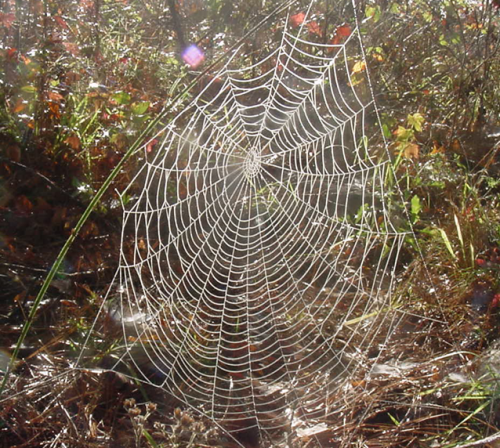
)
(193, 56)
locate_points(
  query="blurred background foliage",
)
(81, 79)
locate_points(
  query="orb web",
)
(259, 249)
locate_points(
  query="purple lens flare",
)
(193, 56)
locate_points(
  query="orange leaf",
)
(297, 19)
(55, 96)
(25, 59)
(437, 148)
(19, 106)
(73, 141)
(411, 151)
(54, 109)
(341, 33)
(343, 30)
(20, 297)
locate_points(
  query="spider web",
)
(259, 252)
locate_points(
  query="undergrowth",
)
(73, 99)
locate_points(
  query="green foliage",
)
(82, 80)
(415, 208)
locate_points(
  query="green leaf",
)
(149, 438)
(373, 12)
(28, 88)
(416, 121)
(415, 207)
(447, 243)
(427, 16)
(403, 134)
(140, 108)
(122, 97)
(394, 8)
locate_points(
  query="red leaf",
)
(11, 53)
(496, 298)
(297, 19)
(344, 30)
(341, 33)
